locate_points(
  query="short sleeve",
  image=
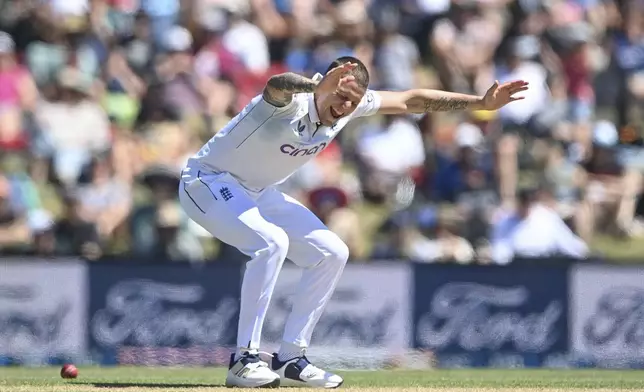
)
(369, 104)
(283, 111)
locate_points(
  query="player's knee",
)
(277, 242)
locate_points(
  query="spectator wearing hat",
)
(461, 165)
(163, 14)
(524, 118)
(611, 188)
(182, 90)
(220, 69)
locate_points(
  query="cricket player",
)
(228, 187)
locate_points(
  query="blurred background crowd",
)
(103, 101)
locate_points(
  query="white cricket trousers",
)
(268, 227)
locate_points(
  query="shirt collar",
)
(313, 111)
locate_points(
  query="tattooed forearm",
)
(425, 101)
(280, 88)
(444, 104)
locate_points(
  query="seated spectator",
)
(69, 236)
(59, 45)
(533, 230)
(18, 96)
(104, 199)
(424, 235)
(174, 243)
(629, 53)
(123, 90)
(120, 78)
(244, 39)
(323, 171)
(43, 239)
(137, 47)
(445, 245)
(14, 228)
(74, 235)
(25, 195)
(611, 188)
(397, 57)
(331, 205)
(182, 89)
(163, 14)
(524, 117)
(462, 54)
(567, 179)
(476, 205)
(159, 229)
(74, 126)
(467, 154)
(389, 154)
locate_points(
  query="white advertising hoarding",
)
(367, 320)
(43, 309)
(607, 313)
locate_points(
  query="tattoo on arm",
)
(280, 88)
(442, 104)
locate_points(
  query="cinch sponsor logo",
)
(295, 152)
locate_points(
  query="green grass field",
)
(205, 379)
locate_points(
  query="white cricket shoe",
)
(249, 371)
(299, 372)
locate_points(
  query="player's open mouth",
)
(334, 113)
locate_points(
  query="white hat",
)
(178, 39)
(40, 221)
(213, 19)
(468, 135)
(351, 12)
(526, 46)
(237, 7)
(605, 133)
(7, 44)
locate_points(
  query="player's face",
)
(342, 102)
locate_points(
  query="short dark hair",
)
(360, 72)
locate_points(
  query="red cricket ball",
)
(69, 371)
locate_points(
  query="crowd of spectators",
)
(103, 101)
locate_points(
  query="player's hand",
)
(335, 78)
(500, 95)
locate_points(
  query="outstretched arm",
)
(425, 101)
(280, 88)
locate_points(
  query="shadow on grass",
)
(146, 385)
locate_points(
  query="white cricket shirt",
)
(263, 145)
